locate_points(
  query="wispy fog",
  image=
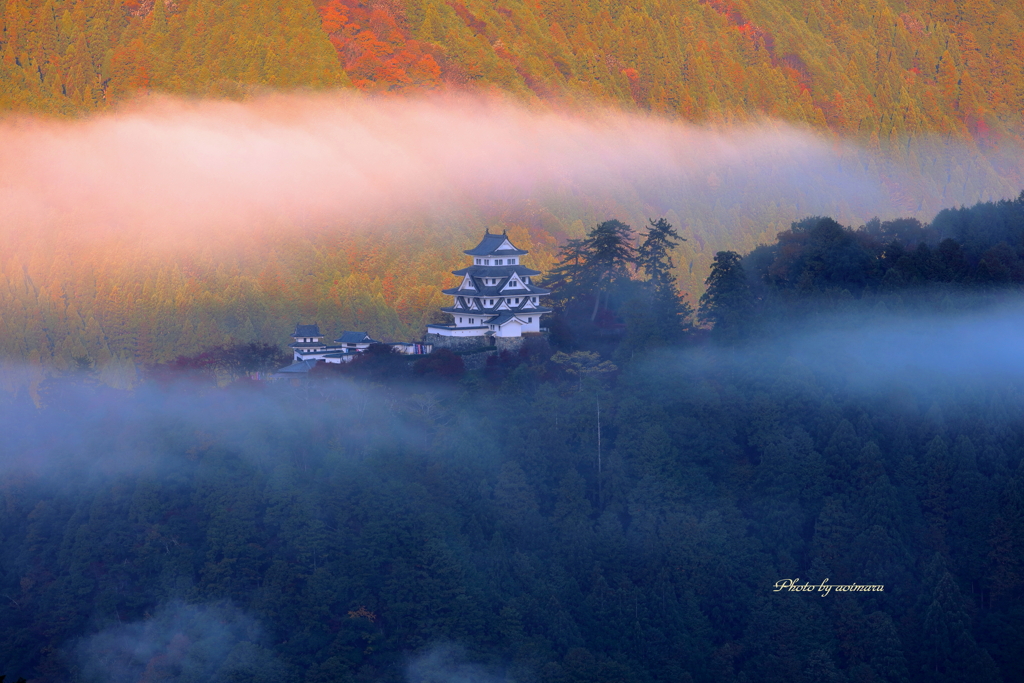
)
(165, 168)
(180, 642)
(218, 643)
(87, 433)
(447, 663)
(876, 351)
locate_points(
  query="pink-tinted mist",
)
(167, 168)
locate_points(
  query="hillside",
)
(920, 101)
(878, 70)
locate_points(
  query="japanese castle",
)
(496, 297)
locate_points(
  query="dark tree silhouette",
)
(728, 303)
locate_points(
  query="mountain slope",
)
(884, 71)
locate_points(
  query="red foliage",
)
(375, 48)
(468, 17)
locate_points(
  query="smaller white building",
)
(308, 348)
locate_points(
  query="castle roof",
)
(354, 338)
(306, 330)
(521, 308)
(496, 271)
(298, 368)
(496, 291)
(494, 245)
(501, 319)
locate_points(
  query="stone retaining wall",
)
(457, 344)
(476, 361)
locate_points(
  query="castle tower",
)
(497, 296)
(307, 340)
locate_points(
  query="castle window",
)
(511, 261)
(487, 262)
(460, 320)
(529, 320)
(497, 262)
(478, 262)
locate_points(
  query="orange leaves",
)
(392, 72)
(130, 68)
(383, 24)
(333, 16)
(425, 71)
(375, 49)
(366, 44)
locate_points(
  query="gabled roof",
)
(497, 245)
(497, 292)
(354, 338)
(298, 367)
(538, 310)
(306, 330)
(501, 319)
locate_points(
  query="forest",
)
(919, 101)
(749, 385)
(618, 503)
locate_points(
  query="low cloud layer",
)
(166, 168)
(874, 353)
(180, 643)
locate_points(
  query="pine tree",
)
(728, 303)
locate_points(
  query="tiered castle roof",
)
(495, 290)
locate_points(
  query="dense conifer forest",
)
(735, 399)
(615, 504)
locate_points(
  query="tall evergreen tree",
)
(669, 312)
(728, 303)
(594, 270)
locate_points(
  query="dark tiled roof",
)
(306, 330)
(298, 367)
(495, 291)
(489, 246)
(501, 319)
(496, 271)
(493, 310)
(305, 345)
(354, 338)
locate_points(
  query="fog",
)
(99, 433)
(173, 476)
(162, 168)
(219, 643)
(872, 351)
(182, 643)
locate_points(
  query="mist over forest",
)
(772, 432)
(170, 226)
(616, 502)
